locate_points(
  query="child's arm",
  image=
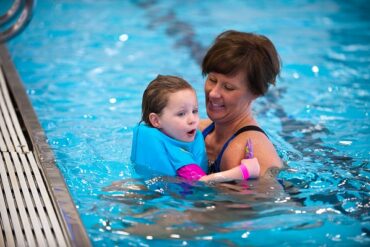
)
(191, 172)
(249, 168)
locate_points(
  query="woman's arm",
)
(266, 153)
(263, 150)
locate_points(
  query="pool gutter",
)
(62, 201)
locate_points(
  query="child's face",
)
(180, 119)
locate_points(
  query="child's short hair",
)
(155, 96)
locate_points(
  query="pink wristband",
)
(245, 171)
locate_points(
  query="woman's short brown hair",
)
(254, 55)
(155, 96)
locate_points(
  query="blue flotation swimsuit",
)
(156, 151)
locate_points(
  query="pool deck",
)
(36, 208)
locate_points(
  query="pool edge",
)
(62, 200)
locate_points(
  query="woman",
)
(239, 68)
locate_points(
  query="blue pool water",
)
(86, 63)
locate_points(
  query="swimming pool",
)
(85, 65)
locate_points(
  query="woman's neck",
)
(225, 129)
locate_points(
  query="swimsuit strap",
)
(211, 127)
(208, 130)
(249, 128)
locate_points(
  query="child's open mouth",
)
(191, 132)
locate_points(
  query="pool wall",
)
(63, 205)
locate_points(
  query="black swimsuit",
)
(215, 166)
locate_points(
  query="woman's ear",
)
(154, 120)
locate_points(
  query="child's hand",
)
(253, 167)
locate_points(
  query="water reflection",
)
(167, 207)
(171, 209)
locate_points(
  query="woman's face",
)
(227, 97)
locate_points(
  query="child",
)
(169, 140)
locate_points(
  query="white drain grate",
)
(27, 214)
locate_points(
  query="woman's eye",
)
(212, 79)
(229, 88)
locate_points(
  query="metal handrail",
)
(11, 12)
(22, 21)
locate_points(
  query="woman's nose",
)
(214, 91)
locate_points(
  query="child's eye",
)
(181, 114)
(195, 111)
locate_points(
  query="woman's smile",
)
(212, 106)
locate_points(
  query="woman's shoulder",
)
(260, 141)
(204, 123)
(263, 149)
